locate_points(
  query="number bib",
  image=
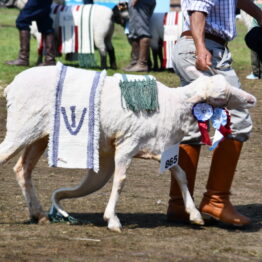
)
(169, 158)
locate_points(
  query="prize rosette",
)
(220, 119)
(203, 112)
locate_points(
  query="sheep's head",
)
(216, 91)
(120, 13)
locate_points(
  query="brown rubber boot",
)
(49, 42)
(142, 63)
(216, 203)
(188, 160)
(23, 58)
(134, 54)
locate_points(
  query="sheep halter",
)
(220, 120)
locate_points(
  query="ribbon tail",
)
(218, 137)
(224, 130)
(204, 133)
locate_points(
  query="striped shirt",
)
(220, 20)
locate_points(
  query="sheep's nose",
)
(251, 100)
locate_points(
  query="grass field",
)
(9, 44)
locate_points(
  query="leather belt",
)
(215, 38)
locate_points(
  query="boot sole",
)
(209, 217)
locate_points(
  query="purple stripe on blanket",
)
(91, 122)
(59, 90)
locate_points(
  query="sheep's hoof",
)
(196, 218)
(199, 222)
(43, 220)
(115, 229)
(38, 219)
(114, 225)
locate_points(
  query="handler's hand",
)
(203, 59)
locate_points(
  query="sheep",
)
(123, 133)
(156, 43)
(104, 19)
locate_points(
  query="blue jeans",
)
(39, 11)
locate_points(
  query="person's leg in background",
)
(23, 23)
(255, 64)
(45, 27)
(253, 40)
(139, 21)
(260, 67)
(39, 11)
(134, 52)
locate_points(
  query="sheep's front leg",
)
(118, 183)
(194, 215)
(23, 170)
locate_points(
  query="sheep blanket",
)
(74, 25)
(74, 139)
(173, 23)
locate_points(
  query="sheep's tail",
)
(56, 213)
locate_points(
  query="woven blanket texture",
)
(74, 27)
(74, 138)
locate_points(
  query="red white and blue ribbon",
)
(220, 120)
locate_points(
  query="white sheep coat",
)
(123, 133)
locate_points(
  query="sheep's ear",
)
(195, 99)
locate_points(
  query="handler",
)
(39, 11)
(208, 26)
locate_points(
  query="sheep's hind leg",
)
(194, 215)
(23, 170)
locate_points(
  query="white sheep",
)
(156, 42)
(123, 133)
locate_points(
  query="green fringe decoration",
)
(140, 95)
(87, 60)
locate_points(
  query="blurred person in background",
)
(256, 61)
(140, 12)
(39, 11)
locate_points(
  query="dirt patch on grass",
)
(146, 236)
